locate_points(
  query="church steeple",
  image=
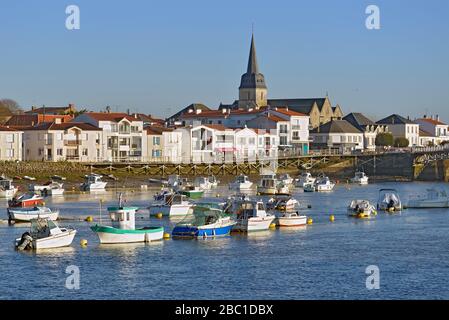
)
(253, 67)
(252, 90)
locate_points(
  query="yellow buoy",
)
(391, 209)
(331, 218)
(272, 225)
(89, 219)
(159, 215)
(166, 235)
(83, 243)
(309, 221)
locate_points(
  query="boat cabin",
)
(173, 199)
(123, 217)
(93, 178)
(250, 209)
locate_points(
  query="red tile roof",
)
(24, 120)
(220, 113)
(7, 128)
(432, 121)
(289, 112)
(63, 126)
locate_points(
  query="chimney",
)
(128, 112)
(33, 108)
(437, 117)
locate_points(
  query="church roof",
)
(299, 105)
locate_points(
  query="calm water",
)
(323, 261)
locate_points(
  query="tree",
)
(9, 107)
(401, 142)
(384, 139)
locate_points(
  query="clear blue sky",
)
(158, 56)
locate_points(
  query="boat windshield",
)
(202, 216)
(40, 228)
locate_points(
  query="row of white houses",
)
(209, 137)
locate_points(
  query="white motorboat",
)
(50, 188)
(172, 205)
(291, 219)
(433, 199)
(250, 215)
(7, 190)
(93, 182)
(285, 179)
(389, 200)
(29, 213)
(282, 203)
(323, 184)
(361, 209)
(360, 178)
(205, 183)
(304, 179)
(241, 183)
(45, 234)
(267, 184)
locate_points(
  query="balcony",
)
(296, 127)
(72, 143)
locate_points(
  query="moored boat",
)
(123, 230)
(50, 188)
(93, 182)
(323, 184)
(434, 198)
(28, 199)
(171, 205)
(250, 215)
(291, 219)
(389, 200)
(304, 179)
(191, 192)
(361, 209)
(241, 183)
(29, 213)
(7, 189)
(205, 222)
(360, 178)
(45, 234)
(206, 183)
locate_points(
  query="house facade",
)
(123, 137)
(369, 128)
(401, 127)
(435, 128)
(10, 144)
(70, 141)
(337, 136)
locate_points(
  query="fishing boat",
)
(52, 188)
(282, 203)
(28, 199)
(172, 205)
(93, 182)
(267, 184)
(323, 183)
(291, 219)
(389, 200)
(29, 213)
(360, 178)
(241, 183)
(434, 198)
(191, 192)
(205, 222)
(45, 234)
(250, 215)
(361, 209)
(123, 229)
(309, 187)
(159, 196)
(285, 179)
(304, 178)
(206, 183)
(7, 189)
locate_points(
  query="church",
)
(253, 95)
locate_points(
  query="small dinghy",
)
(29, 199)
(93, 182)
(389, 200)
(51, 188)
(361, 209)
(250, 215)
(205, 222)
(282, 203)
(28, 214)
(45, 234)
(434, 198)
(123, 230)
(291, 219)
(7, 189)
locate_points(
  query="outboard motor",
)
(26, 242)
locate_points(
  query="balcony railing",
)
(72, 142)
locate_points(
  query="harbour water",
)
(326, 260)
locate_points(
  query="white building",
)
(163, 145)
(435, 128)
(337, 136)
(274, 123)
(369, 128)
(253, 144)
(10, 144)
(123, 137)
(401, 127)
(68, 141)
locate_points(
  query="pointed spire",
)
(252, 61)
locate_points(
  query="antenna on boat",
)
(101, 202)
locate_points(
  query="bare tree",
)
(9, 107)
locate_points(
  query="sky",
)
(157, 57)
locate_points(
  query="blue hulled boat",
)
(205, 222)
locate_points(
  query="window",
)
(283, 141)
(10, 138)
(295, 135)
(134, 129)
(252, 141)
(84, 152)
(59, 152)
(283, 128)
(157, 141)
(156, 153)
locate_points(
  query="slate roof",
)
(394, 119)
(359, 121)
(300, 105)
(252, 78)
(336, 126)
